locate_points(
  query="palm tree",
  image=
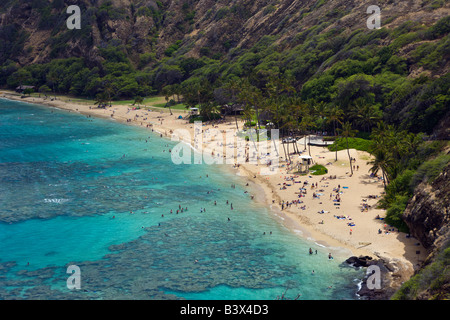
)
(251, 97)
(347, 132)
(366, 115)
(320, 109)
(296, 108)
(411, 143)
(381, 162)
(335, 115)
(205, 96)
(309, 123)
(384, 147)
(380, 131)
(277, 89)
(232, 88)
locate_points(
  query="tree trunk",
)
(275, 147)
(288, 153)
(284, 148)
(348, 152)
(384, 178)
(309, 145)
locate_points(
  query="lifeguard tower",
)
(304, 161)
(193, 111)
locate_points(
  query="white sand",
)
(333, 232)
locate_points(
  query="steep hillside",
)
(428, 217)
(35, 31)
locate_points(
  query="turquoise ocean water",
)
(98, 194)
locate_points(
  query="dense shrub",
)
(430, 169)
(433, 280)
(353, 143)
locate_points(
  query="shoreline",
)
(323, 229)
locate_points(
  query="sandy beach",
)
(307, 204)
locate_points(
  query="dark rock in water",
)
(392, 272)
(385, 290)
(361, 261)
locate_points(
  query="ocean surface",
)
(104, 196)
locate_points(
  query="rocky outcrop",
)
(393, 272)
(427, 216)
(428, 212)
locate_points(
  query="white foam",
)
(55, 200)
(320, 245)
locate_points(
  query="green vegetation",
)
(318, 169)
(404, 160)
(429, 170)
(431, 281)
(405, 175)
(361, 79)
(353, 143)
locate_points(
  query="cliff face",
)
(428, 212)
(427, 216)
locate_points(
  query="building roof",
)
(24, 87)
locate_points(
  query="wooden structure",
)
(304, 162)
